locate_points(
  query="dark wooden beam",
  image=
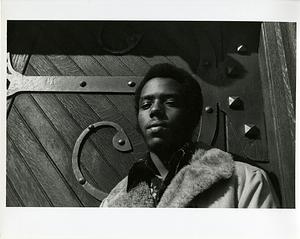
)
(277, 65)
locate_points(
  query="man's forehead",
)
(161, 86)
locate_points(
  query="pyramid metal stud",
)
(250, 130)
(234, 102)
(242, 49)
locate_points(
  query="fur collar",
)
(205, 169)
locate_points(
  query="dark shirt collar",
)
(144, 170)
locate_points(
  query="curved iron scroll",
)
(120, 141)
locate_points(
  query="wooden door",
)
(42, 127)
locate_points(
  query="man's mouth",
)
(154, 125)
(156, 129)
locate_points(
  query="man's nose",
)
(157, 109)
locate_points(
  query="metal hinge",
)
(18, 83)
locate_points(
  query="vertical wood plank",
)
(279, 108)
(288, 31)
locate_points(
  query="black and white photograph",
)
(151, 114)
(162, 114)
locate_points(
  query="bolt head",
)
(131, 83)
(83, 84)
(208, 109)
(121, 141)
(82, 181)
(91, 127)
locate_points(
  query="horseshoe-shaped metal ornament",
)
(120, 141)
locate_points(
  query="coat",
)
(212, 179)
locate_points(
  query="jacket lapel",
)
(138, 196)
(206, 168)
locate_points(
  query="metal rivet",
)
(91, 127)
(209, 109)
(242, 49)
(82, 181)
(131, 83)
(121, 141)
(83, 84)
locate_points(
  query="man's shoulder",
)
(242, 168)
(241, 163)
(247, 172)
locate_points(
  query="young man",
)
(175, 171)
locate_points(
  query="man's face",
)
(162, 114)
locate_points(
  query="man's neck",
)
(163, 171)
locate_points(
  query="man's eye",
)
(171, 102)
(145, 105)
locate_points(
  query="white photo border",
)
(144, 223)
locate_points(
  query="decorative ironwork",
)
(242, 49)
(251, 131)
(235, 102)
(18, 82)
(120, 141)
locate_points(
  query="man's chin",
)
(157, 144)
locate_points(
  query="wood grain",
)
(12, 197)
(279, 108)
(22, 179)
(136, 64)
(64, 123)
(53, 143)
(39, 162)
(86, 66)
(84, 116)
